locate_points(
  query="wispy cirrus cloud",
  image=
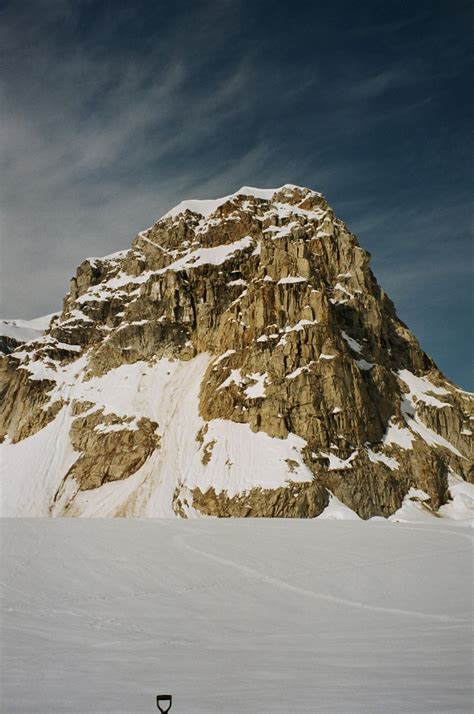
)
(113, 112)
(94, 148)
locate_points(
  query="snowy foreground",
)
(229, 616)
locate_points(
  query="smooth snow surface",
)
(25, 330)
(461, 505)
(419, 388)
(337, 511)
(414, 509)
(398, 435)
(32, 470)
(232, 616)
(338, 464)
(241, 460)
(292, 279)
(210, 256)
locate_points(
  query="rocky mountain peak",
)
(239, 359)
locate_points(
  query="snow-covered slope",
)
(205, 207)
(166, 392)
(18, 331)
(228, 616)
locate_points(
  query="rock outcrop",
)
(239, 360)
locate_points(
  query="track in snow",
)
(230, 616)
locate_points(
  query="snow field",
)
(231, 616)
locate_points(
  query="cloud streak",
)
(114, 112)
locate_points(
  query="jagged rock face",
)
(123, 446)
(8, 344)
(262, 367)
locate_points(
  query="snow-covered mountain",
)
(239, 360)
(15, 332)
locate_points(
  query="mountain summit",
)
(239, 359)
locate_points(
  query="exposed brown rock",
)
(26, 406)
(305, 342)
(297, 500)
(110, 455)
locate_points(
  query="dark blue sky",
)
(112, 112)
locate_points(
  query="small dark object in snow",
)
(163, 702)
